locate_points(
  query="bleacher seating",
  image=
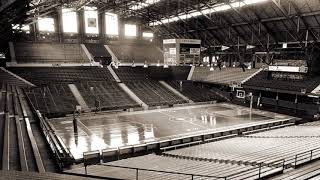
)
(52, 53)
(97, 50)
(22, 175)
(264, 147)
(176, 165)
(153, 93)
(137, 52)
(109, 94)
(52, 100)
(224, 76)
(309, 171)
(196, 94)
(128, 73)
(261, 80)
(7, 78)
(49, 75)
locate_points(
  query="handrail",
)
(168, 172)
(46, 131)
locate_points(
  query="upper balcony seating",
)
(97, 50)
(261, 80)
(51, 53)
(224, 76)
(137, 52)
(128, 73)
(43, 76)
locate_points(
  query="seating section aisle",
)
(196, 94)
(223, 76)
(153, 93)
(261, 80)
(43, 76)
(49, 53)
(108, 94)
(52, 100)
(264, 147)
(137, 52)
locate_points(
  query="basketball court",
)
(103, 131)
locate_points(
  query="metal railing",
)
(138, 171)
(303, 158)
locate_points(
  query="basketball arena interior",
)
(160, 89)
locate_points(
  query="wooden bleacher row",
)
(57, 99)
(196, 94)
(287, 144)
(108, 94)
(261, 80)
(19, 149)
(310, 171)
(168, 166)
(139, 53)
(97, 50)
(7, 78)
(20, 175)
(43, 76)
(128, 73)
(49, 53)
(154, 94)
(224, 76)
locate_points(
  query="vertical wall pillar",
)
(58, 25)
(81, 25)
(102, 26)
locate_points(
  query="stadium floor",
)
(102, 131)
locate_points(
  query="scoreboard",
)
(181, 51)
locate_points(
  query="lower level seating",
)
(196, 94)
(176, 165)
(223, 76)
(264, 147)
(109, 95)
(7, 78)
(261, 80)
(310, 171)
(52, 99)
(153, 93)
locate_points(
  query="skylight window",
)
(69, 21)
(46, 24)
(217, 8)
(130, 30)
(112, 27)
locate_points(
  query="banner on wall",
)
(92, 22)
